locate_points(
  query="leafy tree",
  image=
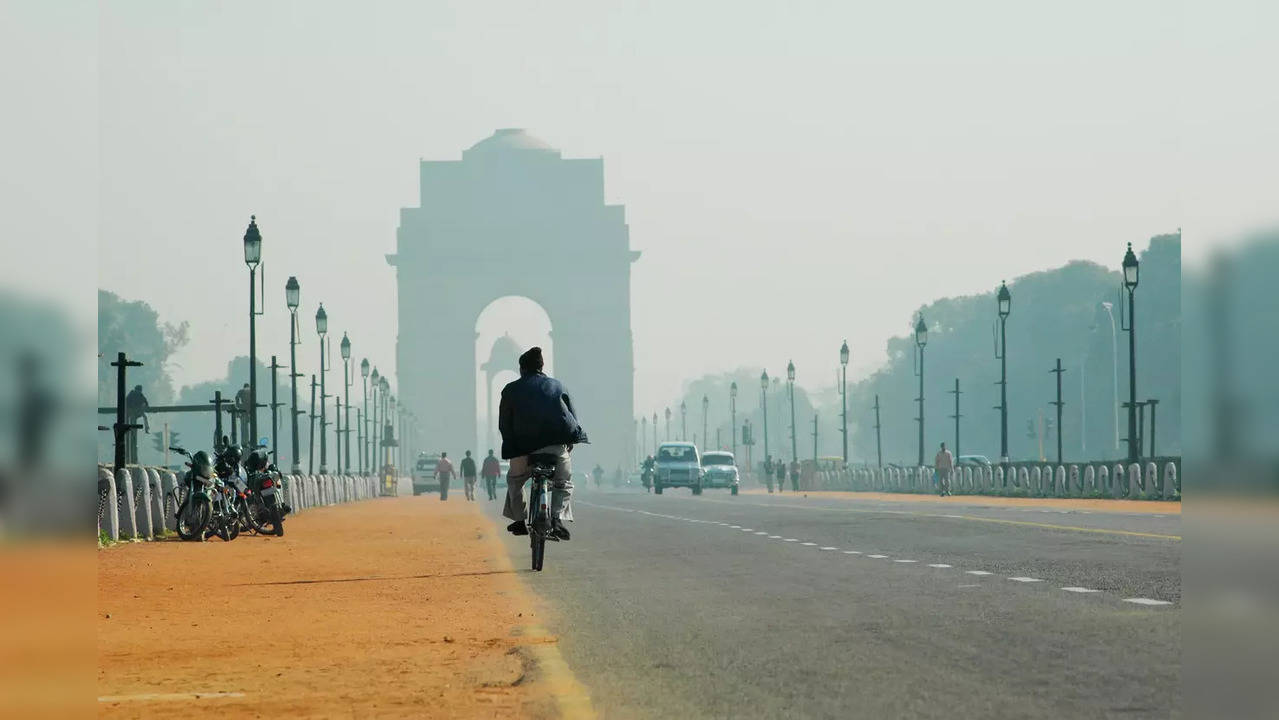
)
(133, 327)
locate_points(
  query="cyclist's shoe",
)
(517, 528)
(559, 531)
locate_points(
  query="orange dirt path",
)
(396, 607)
(1165, 507)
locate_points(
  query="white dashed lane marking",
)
(1150, 602)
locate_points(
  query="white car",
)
(719, 470)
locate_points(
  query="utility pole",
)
(1153, 403)
(879, 447)
(1059, 404)
(956, 416)
(310, 443)
(122, 428)
(275, 410)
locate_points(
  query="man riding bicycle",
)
(536, 417)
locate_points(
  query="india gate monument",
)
(513, 221)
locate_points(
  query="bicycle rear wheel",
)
(538, 526)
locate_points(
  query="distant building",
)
(514, 218)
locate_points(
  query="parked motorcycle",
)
(264, 509)
(194, 502)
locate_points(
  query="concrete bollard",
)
(1023, 477)
(1036, 480)
(155, 503)
(1090, 479)
(1134, 479)
(124, 487)
(170, 500)
(1074, 485)
(1152, 480)
(1171, 487)
(108, 504)
(1118, 481)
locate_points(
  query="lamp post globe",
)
(364, 367)
(376, 378)
(790, 371)
(1005, 299)
(732, 390)
(921, 332)
(843, 353)
(1131, 269)
(763, 380)
(292, 293)
(763, 394)
(843, 396)
(252, 243)
(321, 321)
(345, 347)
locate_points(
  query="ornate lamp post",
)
(1004, 300)
(1131, 275)
(921, 339)
(654, 433)
(763, 391)
(644, 437)
(706, 406)
(375, 429)
(843, 395)
(364, 421)
(732, 414)
(346, 399)
(292, 298)
(790, 385)
(322, 329)
(668, 423)
(683, 421)
(252, 256)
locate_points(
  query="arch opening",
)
(505, 329)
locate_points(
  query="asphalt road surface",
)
(762, 606)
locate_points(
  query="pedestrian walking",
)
(943, 466)
(489, 471)
(444, 473)
(794, 475)
(768, 473)
(780, 468)
(468, 476)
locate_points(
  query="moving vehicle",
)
(719, 470)
(678, 465)
(424, 479)
(974, 460)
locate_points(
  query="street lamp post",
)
(790, 385)
(644, 436)
(655, 433)
(252, 256)
(1130, 282)
(322, 329)
(763, 391)
(668, 423)
(683, 421)
(921, 339)
(732, 414)
(1005, 306)
(843, 395)
(346, 399)
(706, 406)
(292, 297)
(374, 453)
(364, 418)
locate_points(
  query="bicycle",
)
(539, 507)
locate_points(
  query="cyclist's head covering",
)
(531, 361)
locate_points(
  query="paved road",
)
(759, 606)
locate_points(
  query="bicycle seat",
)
(542, 460)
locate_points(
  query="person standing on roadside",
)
(780, 468)
(768, 473)
(468, 476)
(490, 470)
(444, 473)
(794, 475)
(943, 466)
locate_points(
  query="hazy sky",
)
(795, 173)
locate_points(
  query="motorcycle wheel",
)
(259, 516)
(229, 529)
(193, 517)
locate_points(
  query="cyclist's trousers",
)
(561, 485)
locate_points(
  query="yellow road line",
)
(570, 696)
(1051, 526)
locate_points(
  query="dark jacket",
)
(468, 467)
(536, 412)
